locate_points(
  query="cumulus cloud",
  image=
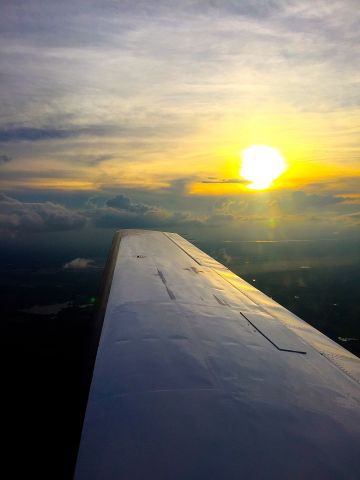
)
(16, 216)
(159, 219)
(224, 256)
(121, 212)
(283, 207)
(181, 213)
(123, 202)
(78, 264)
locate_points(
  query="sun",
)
(262, 165)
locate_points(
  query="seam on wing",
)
(269, 339)
(187, 253)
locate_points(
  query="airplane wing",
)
(199, 375)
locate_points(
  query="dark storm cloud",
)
(5, 159)
(16, 216)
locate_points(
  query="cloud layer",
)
(22, 217)
(159, 88)
(276, 215)
(144, 104)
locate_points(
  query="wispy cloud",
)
(38, 134)
(150, 97)
(226, 180)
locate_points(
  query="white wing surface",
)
(198, 375)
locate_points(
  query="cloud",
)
(286, 202)
(157, 219)
(123, 202)
(224, 256)
(96, 160)
(78, 264)
(5, 159)
(301, 202)
(21, 217)
(219, 219)
(37, 134)
(351, 218)
(121, 212)
(226, 180)
(160, 71)
(303, 199)
(270, 215)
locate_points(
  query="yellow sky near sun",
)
(318, 148)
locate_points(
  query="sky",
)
(135, 114)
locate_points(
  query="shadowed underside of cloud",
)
(123, 202)
(121, 212)
(16, 216)
(111, 218)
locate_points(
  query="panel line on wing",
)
(163, 279)
(183, 249)
(282, 349)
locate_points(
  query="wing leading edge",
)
(200, 375)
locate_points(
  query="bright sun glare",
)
(261, 165)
